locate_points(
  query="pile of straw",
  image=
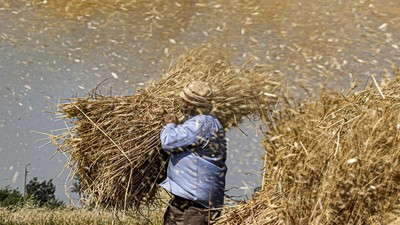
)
(334, 160)
(114, 146)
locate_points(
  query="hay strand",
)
(334, 160)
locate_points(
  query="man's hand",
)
(170, 118)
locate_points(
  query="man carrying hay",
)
(196, 168)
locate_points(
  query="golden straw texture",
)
(334, 160)
(114, 146)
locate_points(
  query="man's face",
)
(187, 108)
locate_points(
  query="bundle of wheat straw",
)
(334, 160)
(114, 146)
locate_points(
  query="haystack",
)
(113, 145)
(334, 160)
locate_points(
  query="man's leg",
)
(212, 215)
(179, 212)
(200, 216)
(173, 215)
(190, 216)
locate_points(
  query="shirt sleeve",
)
(174, 136)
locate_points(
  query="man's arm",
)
(174, 136)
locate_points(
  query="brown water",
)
(61, 48)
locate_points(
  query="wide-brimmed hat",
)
(198, 93)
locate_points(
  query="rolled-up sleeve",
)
(175, 136)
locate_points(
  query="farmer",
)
(196, 168)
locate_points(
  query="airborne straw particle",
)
(383, 26)
(113, 41)
(114, 75)
(245, 186)
(351, 161)
(15, 177)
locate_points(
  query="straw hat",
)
(198, 93)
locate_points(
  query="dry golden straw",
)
(334, 160)
(114, 146)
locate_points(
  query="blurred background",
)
(52, 49)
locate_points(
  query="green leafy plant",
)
(10, 197)
(43, 193)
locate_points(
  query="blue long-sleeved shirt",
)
(196, 168)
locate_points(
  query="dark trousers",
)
(185, 212)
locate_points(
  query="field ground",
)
(71, 216)
(80, 216)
